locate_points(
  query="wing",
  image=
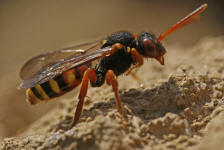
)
(62, 65)
(36, 63)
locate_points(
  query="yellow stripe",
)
(31, 98)
(54, 86)
(70, 78)
(104, 42)
(41, 92)
(128, 49)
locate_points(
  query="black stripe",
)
(61, 83)
(47, 89)
(77, 74)
(36, 93)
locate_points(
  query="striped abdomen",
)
(57, 86)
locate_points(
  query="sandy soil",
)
(181, 107)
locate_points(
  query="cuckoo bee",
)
(52, 74)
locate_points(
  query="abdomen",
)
(57, 86)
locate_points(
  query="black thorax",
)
(120, 61)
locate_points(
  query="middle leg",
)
(111, 79)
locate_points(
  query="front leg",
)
(138, 60)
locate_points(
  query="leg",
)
(89, 75)
(140, 82)
(138, 59)
(111, 80)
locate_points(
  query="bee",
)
(52, 74)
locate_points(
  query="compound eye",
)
(149, 48)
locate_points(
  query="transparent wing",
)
(62, 65)
(36, 63)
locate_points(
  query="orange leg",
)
(112, 80)
(138, 59)
(140, 82)
(89, 75)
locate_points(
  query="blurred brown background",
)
(29, 27)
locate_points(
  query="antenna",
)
(190, 18)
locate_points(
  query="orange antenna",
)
(190, 18)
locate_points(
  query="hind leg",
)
(89, 75)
